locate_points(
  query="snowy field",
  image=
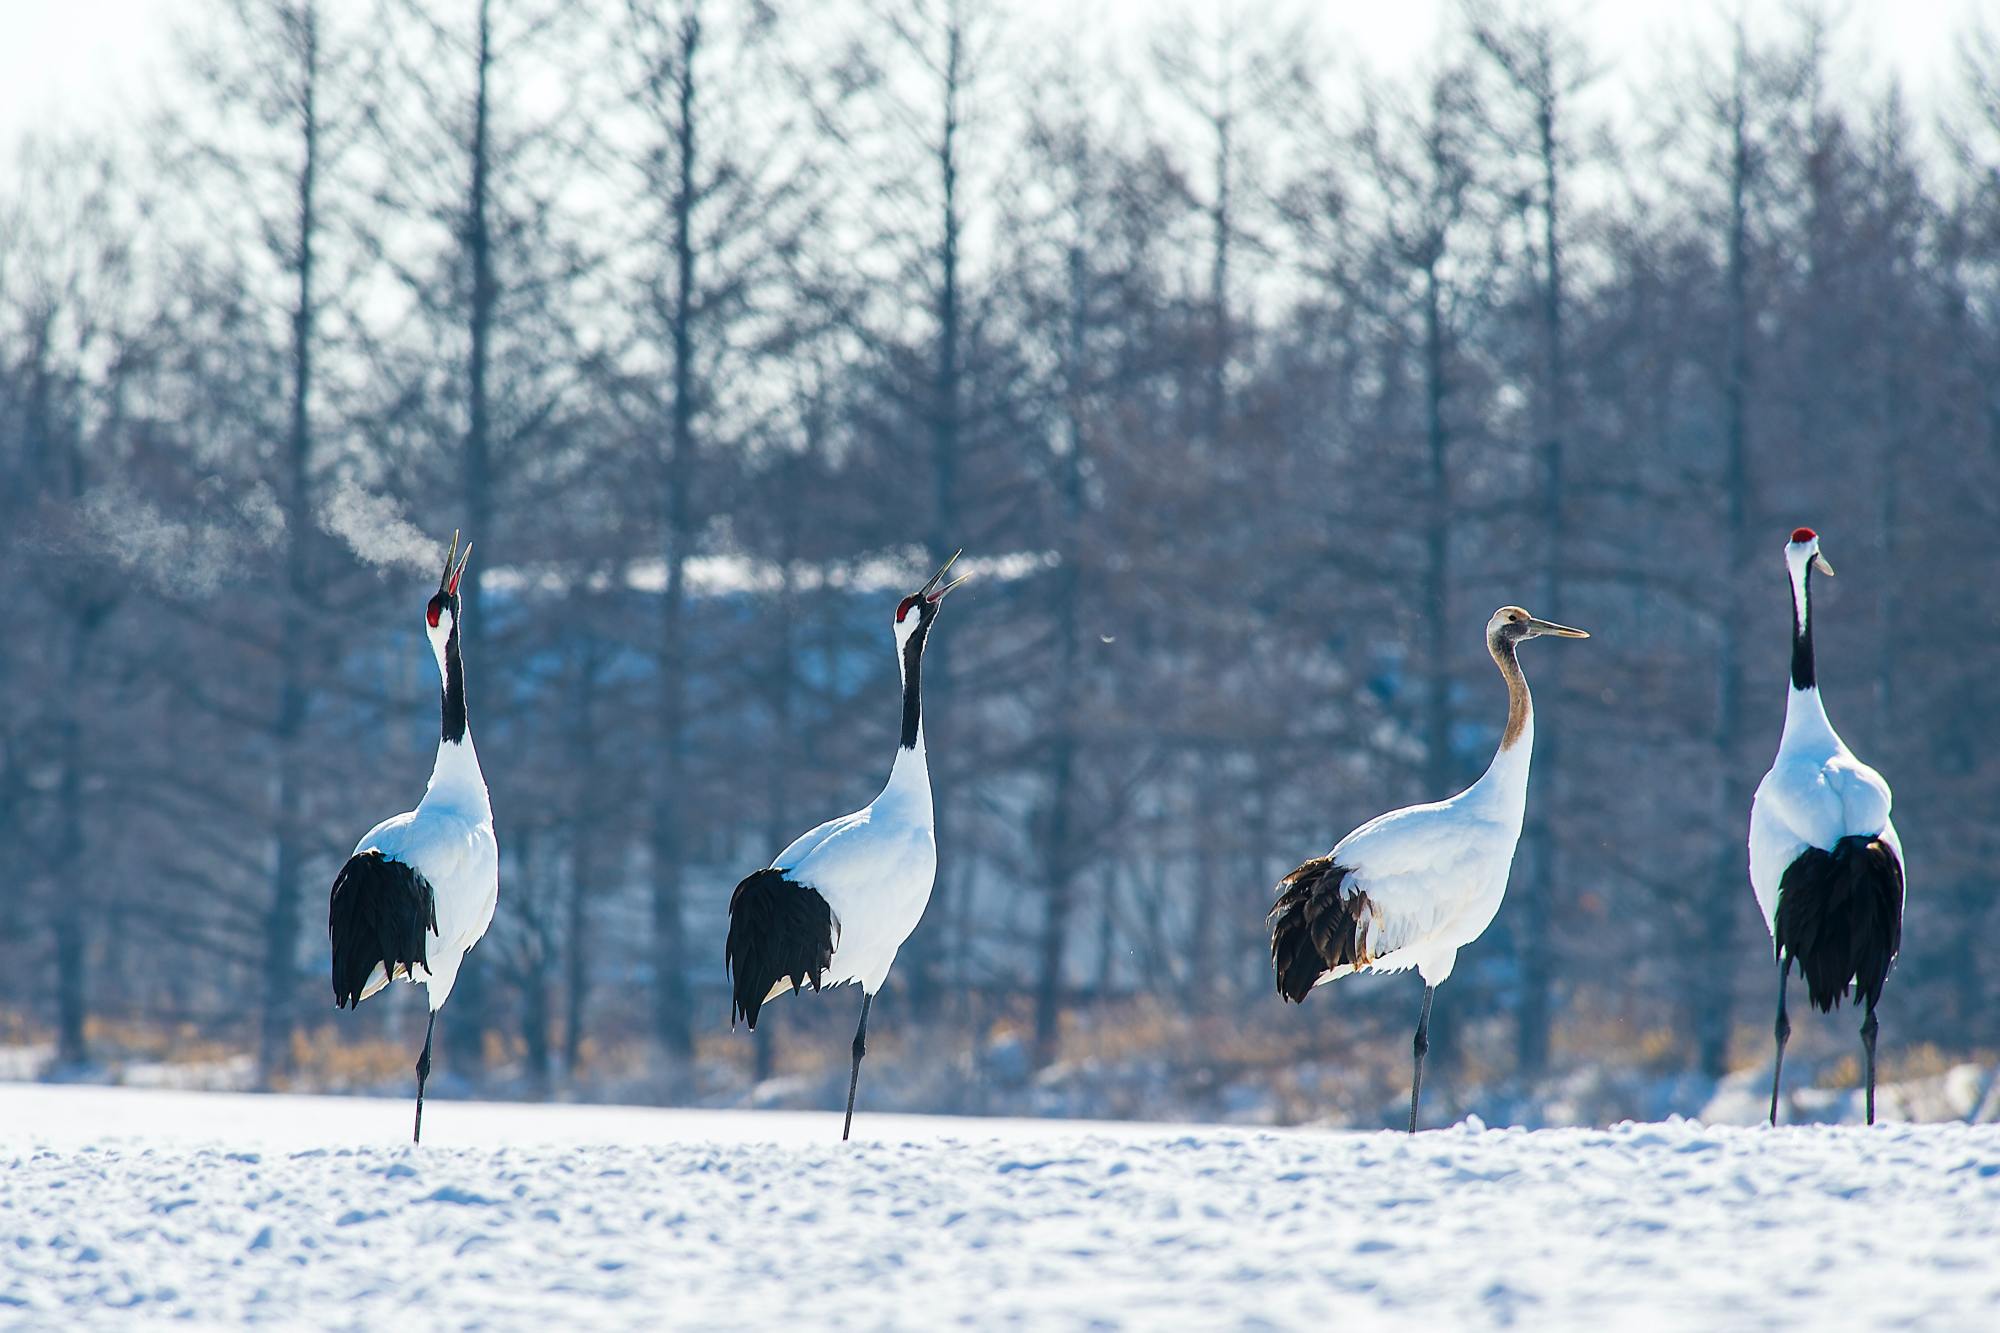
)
(123, 1208)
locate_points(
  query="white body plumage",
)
(448, 839)
(1816, 791)
(875, 868)
(1815, 794)
(1435, 874)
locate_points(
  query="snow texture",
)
(121, 1207)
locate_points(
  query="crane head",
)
(1513, 624)
(1805, 546)
(442, 612)
(920, 608)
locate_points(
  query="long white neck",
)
(908, 790)
(456, 782)
(1806, 722)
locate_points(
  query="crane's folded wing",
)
(460, 859)
(1823, 798)
(1423, 866)
(806, 843)
(1864, 796)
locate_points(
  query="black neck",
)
(454, 688)
(913, 673)
(1802, 648)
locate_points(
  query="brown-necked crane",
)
(1413, 887)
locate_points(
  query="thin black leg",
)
(1421, 1046)
(1868, 1027)
(423, 1072)
(1784, 1034)
(854, 1076)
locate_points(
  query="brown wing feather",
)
(1320, 924)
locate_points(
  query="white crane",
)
(1413, 887)
(420, 889)
(837, 904)
(1825, 861)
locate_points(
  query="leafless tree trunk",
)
(1059, 854)
(281, 931)
(1541, 70)
(1713, 1005)
(585, 873)
(672, 1019)
(465, 1033)
(77, 897)
(945, 533)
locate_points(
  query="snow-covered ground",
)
(120, 1206)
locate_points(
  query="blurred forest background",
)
(1250, 380)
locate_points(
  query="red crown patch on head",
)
(1803, 535)
(904, 609)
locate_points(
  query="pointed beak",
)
(1819, 563)
(934, 594)
(454, 566)
(444, 579)
(1560, 631)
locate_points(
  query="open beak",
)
(931, 592)
(454, 566)
(1819, 563)
(1560, 631)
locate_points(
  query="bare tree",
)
(728, 197)
(285, 94)
(492, 270)
(73, 320)
(1088, 270)
(1731, 111)
(935, 385)
(1542, 67)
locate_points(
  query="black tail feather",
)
(379, 914)
(1317, 926)
(1840, 914)
(779, 930)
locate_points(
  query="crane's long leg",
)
(854, 1076)
(1422, 1046)
(1784, 1034)
(423, 1072)
(1868, 1027)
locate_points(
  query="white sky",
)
(84, 62)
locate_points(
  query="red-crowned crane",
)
(1825, 861)
(837, 904)
(1413, 887)
(420, 889)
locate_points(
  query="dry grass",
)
(1342, 1056)
(1892, 1065)
(323, 1058)
(164, 1043)
(18, 1028)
